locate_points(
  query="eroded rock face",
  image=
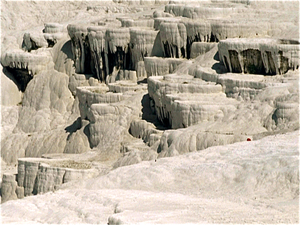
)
(96, 38)
(80, 48)
(109, 123)
(55, 99)
(23, 66)
(53, 32)
(156, 83)
(259, 56)
(142, 43)
(173, 38)
(8, 188)
(155, 66)
(10, 93)
(37, 176)
(33, 41)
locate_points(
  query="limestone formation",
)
(53, 32)
(33, 41)
(155, 66)
(173, 38)
(139, 22)
(37, 176)
(62, 56)
(8, 188)
(200, 48)
(80, 48)
(96, 38)
(259, 56)
(108, 85)
(23, 66)
(141, 44)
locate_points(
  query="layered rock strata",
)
(24, 65)
(53, 32)
(155, 66)
(80, 49)
(259, 56)
(185, 109)
(209, 88)
(37, 176)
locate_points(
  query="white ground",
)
(247, 182)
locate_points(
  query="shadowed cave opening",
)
(253, 63)
(22, 77)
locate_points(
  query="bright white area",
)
(246, 182)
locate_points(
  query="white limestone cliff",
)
(101, 86)
(259, 56)
(173, 38)
(155, 66)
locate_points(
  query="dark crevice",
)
(76, 125)
(21, 76)
(182, 52)
(51, 43)
(190, 41)
(88, 63)
(172, 51)
(235, 63)
(33, 46)
(252, 60)
(119, 60)
(213, 38)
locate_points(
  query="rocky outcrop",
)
(23, 65)
(108, 119)
(33, 41)
(173, 38)
(145, 131)
(62, 56)
(259, 56)
(126, 86)
(80, 49)
(96, 39)
(181, 141)
(120, 89)
(200, 48)
(90, 95)
(287, 111)
(37, 176)
(187, 108)
(53, 32)
(140, 22)
(141, 46)
(8, 188)
(116, 49)
(155, 66)
(53, 102)
(160, 20)
(197, 12)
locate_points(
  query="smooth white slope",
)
(255, 181)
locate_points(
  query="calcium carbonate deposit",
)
(150, 112)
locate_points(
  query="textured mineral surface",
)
(150, 111)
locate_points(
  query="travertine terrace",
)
(91, 89)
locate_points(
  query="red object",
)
(248, 139)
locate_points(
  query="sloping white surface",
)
(245, 182)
